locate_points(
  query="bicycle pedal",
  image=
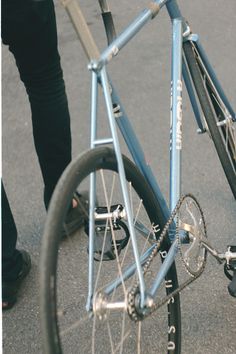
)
(106, 246)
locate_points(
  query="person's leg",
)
(15, 264)
(30, 31)
(11, 257)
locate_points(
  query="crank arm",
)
(220, 257)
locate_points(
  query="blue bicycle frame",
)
(117, 115)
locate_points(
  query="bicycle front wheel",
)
(66, 324)
(221, 127)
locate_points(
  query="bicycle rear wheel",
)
(222, 129)
(66, 325)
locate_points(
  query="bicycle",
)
(127, 231)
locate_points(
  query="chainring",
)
(190, 223)
(195, 226)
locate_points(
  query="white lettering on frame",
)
(179, 116)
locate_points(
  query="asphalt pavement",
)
(141, 73)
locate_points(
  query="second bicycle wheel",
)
(67, 326)
(222, 129)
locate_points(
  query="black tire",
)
(213, 115)
(53, 252)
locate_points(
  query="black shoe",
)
(10, 288)
(77, 216)
(104, 251)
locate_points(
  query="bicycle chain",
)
(132, 311)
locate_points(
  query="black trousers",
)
(29, 29)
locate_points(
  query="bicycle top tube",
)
(134, 27)
(73, 9)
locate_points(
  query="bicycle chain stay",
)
(131, 308)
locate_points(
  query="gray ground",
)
(208, 311)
